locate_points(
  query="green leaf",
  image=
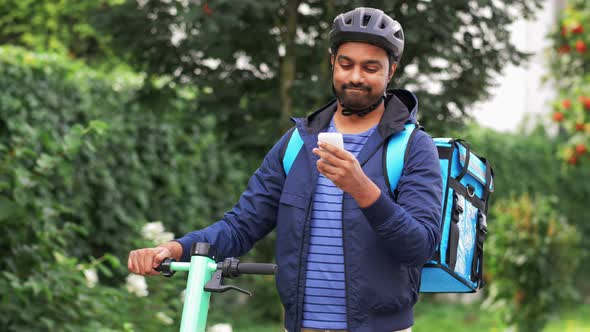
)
(46, 162)
(9, 208)
(99, 127)
(73, 139)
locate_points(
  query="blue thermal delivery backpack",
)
(457, 265)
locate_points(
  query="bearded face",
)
(361, 74)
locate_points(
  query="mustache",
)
(355, 86)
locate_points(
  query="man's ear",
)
(392, 70)
(332, 59)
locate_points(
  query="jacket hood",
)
(401, 107)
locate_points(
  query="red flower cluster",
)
(558, 116)
(573, 30)
(581, 46)
(579, 151)
(577, 29)
(585, 100)
(566, 104)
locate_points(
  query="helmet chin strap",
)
(361, 112)
(347, 111)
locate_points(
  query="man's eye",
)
(372, 70)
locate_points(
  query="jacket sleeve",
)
(251, 218)
(409, 225)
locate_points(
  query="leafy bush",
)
(86, 159)
(533, 256)
(45, 290)
(158, 160)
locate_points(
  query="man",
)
(349, 254)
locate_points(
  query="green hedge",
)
(157, 158)
(86, 159)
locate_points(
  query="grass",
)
(576, 321)
(438, 316)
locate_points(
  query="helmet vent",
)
(368, 25)
(366, 20)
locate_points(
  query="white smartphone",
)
(332, 138)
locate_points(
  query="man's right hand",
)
(143, 261)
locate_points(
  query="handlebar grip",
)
(165, 267)
(257, 268)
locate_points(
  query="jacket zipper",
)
(345, 273)
(298, 314)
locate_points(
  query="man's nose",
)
(356, 77)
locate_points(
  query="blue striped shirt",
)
(324, 303)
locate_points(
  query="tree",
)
(59, 26)
(258, 63)
(570, 64)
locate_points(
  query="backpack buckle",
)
(470, 190)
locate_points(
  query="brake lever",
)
(215, 285)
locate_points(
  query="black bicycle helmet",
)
(371, 26)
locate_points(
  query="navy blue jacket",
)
(385, 244)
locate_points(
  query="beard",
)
(357, 96)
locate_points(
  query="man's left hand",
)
(344, 170)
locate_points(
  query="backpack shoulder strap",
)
(395, 154)
(293, 146)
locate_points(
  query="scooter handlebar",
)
(257, 268)
(232, 268)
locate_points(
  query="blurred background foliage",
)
(115, 114)
(534, 255)
(570, 72)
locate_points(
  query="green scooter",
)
(205, 276)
